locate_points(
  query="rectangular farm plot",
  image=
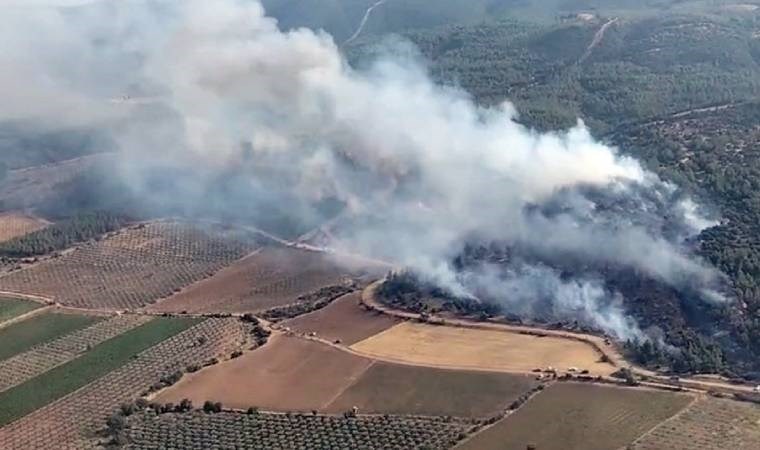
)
(573, 416)
(397, 389)
(13, 307)
(134, 267)
(343, 320)
(47, 326)
(287, 374)
(101, 359)
(470, 348)
(275, 276)
(707, 424)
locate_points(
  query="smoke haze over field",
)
(214, 88)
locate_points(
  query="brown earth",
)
(287, 374)
(344, 319)
(273, 276)
(572, 416)
(397, 389)
(483, 349)
(15, 224)
(707, 424)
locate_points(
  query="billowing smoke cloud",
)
(214, 87)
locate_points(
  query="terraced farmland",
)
(133, 268)
(71, 421)
(198, 430)
(14, 307)
(708, 424)
(274, 276)
(27, 365)
(45, 327)
(568, 416)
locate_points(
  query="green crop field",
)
(14, 307)
(101, 359)
(22, 336)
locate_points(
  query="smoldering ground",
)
(232, 114)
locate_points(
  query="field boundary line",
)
(25, 316)
(348, 386)
(694, 400)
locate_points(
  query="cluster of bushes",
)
(307, 303)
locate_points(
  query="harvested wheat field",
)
(397, 389)
(470, 348)
(287, 374)
(343, 320)
(707, 424)
(13, 225)
(574, 416)
(274, 276)
(134, 267)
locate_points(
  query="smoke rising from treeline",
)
(215, 90)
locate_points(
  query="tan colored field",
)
(397, 389)
(708, 424)
(471, 348)
(14, 225)
(344, 320)
(287, 374)
(274, 276)
(573, 416)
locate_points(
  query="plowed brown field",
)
(344, 320)
(274, 276)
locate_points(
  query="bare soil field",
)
(397, 389)
(132, 268)
(14, 225)
(344, 320)
(274, 276)
(573, 416)
(287, 374)
(469, 348)
(707, 424)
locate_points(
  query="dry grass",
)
(708, 424)
(470, 348)
(344, 320)
(14, 225)
(571, 416)
(275, 276)
(287, 374)
(397, 389)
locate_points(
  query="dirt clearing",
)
(469, 348)
(570, 416)
(274, 276)
(396, 389)
(344, 319)
(287, 374)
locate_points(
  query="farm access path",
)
(608, 350)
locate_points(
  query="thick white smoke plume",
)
(212, 85)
